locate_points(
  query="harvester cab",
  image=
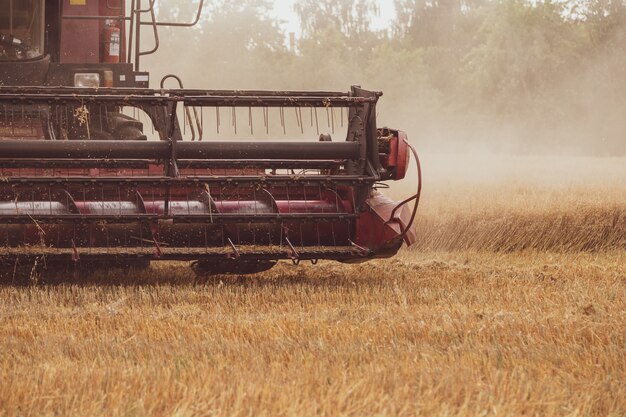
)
(96, 167)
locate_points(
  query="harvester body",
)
(84, 179)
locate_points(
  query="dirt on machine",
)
(96, 168)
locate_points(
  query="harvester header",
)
(128, 174)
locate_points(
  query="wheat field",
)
(513, 302)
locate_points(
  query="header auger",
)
(83, 181)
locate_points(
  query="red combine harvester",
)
(84, 180)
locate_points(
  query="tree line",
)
(520, 74)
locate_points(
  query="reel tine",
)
(197, 122)
(301, 121)
(191, 124)
(250, 120)
(201, 123)
(297, 120)
(266, 117)
(317, 124)
(217, 119)
(282, 120)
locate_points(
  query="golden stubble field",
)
(512, 303)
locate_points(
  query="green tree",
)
(337, 41)
(352, 18)
(521, 52)
(436, 23)
(235, 45)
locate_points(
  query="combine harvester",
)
(85, 181)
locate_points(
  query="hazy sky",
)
(283, 9)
